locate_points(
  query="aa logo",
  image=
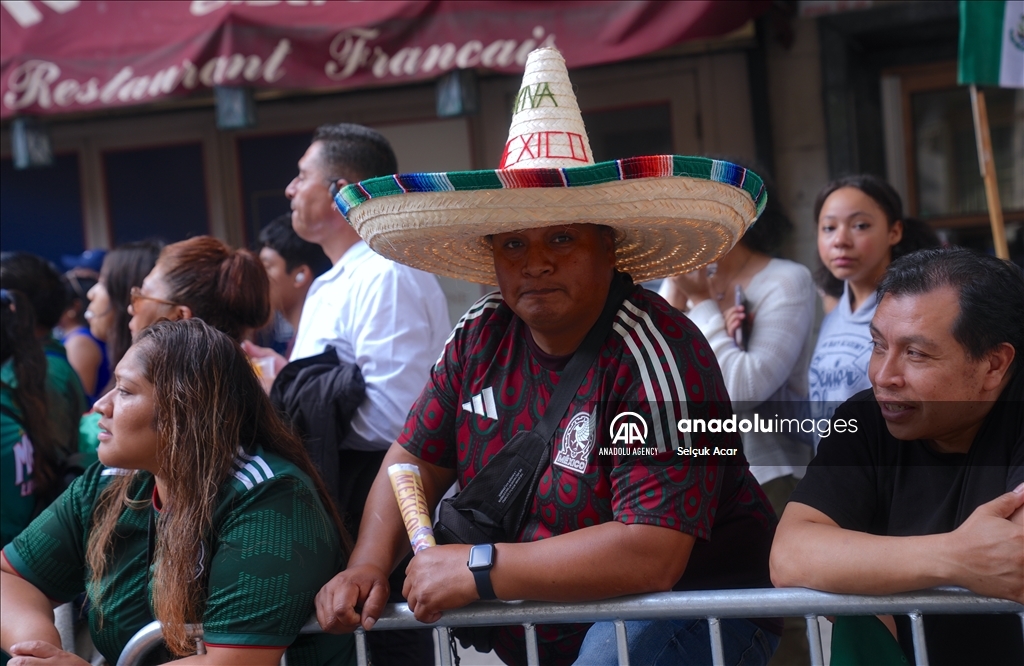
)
(628, 428)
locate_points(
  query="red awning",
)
(58, 56)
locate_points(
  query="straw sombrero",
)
(671, 214)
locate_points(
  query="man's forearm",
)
(832, 559)
(382, 535)
(25, 613)
(607, 560)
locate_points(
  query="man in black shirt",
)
(927, 488)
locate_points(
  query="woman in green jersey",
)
(204, 509)
(28, 449)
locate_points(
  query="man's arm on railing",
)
(357, 595)
(985, 554)
(599, 562)
(25, 612)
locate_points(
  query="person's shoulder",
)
(85, 489)
(260, 471)
(372, 268)
(651, 317)
(839, 322)
(661, 345)
(372, 262)
(57, 364)
(264, 482)
(58, 368)
(54, 349)
(790, 273)
(487, 313)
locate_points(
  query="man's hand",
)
(41, 653)
(358, 594)
(990, 548)
(354, 597)
(439, 579)
(256, 352)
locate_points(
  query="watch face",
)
(480, 557)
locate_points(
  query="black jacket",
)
(319, 395)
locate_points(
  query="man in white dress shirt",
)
(388, 319)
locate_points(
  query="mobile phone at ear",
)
(743, 332)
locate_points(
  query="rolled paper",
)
(412, 502)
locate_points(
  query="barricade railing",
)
(712, 605)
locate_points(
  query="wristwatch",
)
(481, 560)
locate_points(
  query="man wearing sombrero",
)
(625, 497)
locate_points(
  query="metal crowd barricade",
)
(713, 605)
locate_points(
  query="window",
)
(628, 132)
(266, 164)
(157, 192)
(42, 208)
(940, 175)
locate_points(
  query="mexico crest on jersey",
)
(577, 443)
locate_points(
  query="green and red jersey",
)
(493, 380)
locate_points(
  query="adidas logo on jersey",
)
(483, 404)
(251, 470)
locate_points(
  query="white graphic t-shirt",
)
(839, 366)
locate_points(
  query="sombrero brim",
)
(672, 214)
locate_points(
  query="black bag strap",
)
(494, 498)
(576, 369)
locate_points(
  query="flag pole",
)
(988, 172)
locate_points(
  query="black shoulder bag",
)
(493, 506)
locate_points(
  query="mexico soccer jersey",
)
(655, 370)
(272, 547)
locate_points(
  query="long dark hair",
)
(18, 341)
(208, 403)
(125, 267)
(917, 235)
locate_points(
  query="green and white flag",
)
(992, 43)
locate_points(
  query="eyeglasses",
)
(137, 295)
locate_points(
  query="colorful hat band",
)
(653, 166)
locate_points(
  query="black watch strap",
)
(481, 561)
(483, 584)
